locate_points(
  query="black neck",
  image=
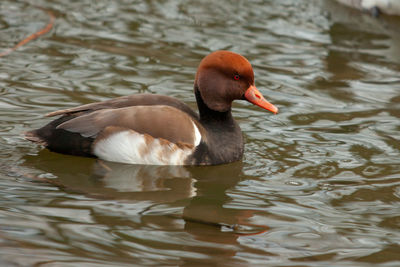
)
(224, 142)
(209, 116)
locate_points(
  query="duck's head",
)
(225, 76)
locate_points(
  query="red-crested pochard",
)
(160, 130)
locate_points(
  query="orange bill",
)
(254, 96)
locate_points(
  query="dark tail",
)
(61, 141)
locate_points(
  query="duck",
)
(152, 129)
(390, 7)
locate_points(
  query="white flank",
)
(391, 7)
(197, 135)
(131, 147)
(386, 5)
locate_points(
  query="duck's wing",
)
(129, 101)
(158, 121)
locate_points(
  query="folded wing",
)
(129, 101)
(162, 121)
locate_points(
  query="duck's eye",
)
(236, 77)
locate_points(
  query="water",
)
(319, 183)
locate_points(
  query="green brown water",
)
(322, 176)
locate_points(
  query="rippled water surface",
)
(319, 184)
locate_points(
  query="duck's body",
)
(160, 130)
(390, 7)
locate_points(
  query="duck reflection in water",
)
(196, 195)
